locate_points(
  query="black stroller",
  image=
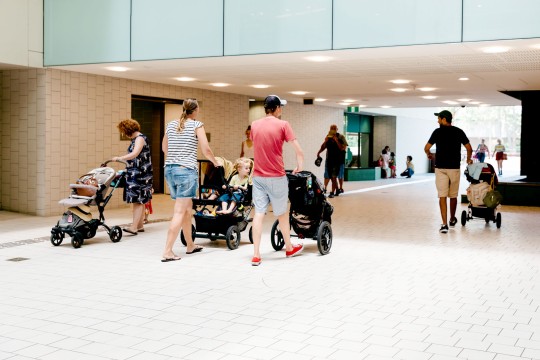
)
(93, 189)
(213, 226)
(310, 213)
(483, 199)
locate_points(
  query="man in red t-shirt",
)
(270, 184)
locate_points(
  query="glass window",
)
(172, 29)
(500, 19)
(261, 26)
(368, 23)
(82, 31)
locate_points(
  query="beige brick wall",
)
(57, 125)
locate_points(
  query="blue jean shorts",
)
(183, 182)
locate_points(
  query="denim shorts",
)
(271, 190)
(183, 182)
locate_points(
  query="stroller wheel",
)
(277, 238)
(183, 239)
(115, 234)
(463, 217)
(498, 220)
(251, 234)
(324, 237)
(233, 237)
(57, 238)
(76, 240)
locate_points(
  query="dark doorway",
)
(150, 113)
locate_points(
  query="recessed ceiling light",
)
(319, 58)
(400, 81)
(495, 49)
(450, 102)
(463, 79)
(319, 99)
(348, 101)
(427, 89)
(344, 103)
(429, 97)
(184, 78)
(485, 105)
(362, 106)
(464, 100)
(399, 89)
(117, 68)
(475, 103)
(299, 92)
(260, 86)
(251, 99)
(220, 84)
(386, 106)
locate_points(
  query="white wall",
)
(413, 129)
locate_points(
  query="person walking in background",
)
(334, 144)
(138, 189)
(385, 169)
(247, 145)
(448, 139)
(499, 155)
(481, 151)
(270, 184)
(392, 164)
(180, 147)
(409, 171)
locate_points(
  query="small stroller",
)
(93, 189)
(310, 213)
(483, 198)
(212, 183)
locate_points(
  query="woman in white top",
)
(180, 147)
(247, 145)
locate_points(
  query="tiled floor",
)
(392, 288)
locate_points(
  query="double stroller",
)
(92, 189)
(482, 195)
(213, 182)
(310, 213)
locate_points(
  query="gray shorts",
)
(271, 190)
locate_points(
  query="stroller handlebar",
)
(109, 161)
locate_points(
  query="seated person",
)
(410, 167)
(239, 184)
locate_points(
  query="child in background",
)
(239, 184)
(410, 167)
(392, 165)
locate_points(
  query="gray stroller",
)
(93, 189)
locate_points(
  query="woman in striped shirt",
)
(180, 147)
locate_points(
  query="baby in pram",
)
(238, 186)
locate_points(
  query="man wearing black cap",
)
(270, 184)
(448, 139)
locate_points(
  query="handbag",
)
(492, 199)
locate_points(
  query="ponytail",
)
(190, 105)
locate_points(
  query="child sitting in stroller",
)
(238, 185)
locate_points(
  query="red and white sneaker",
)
(256, 261)
(297, 249)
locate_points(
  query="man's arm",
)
(299, 156)
(427, 149)
(469, 152)
(323, 147)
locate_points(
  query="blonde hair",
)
(243, 161)
(190, 105)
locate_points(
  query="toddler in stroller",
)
(93, 189)
(309, 214)
(481, 193)
(237, 188)
(211, 221)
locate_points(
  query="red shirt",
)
(268, 135)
